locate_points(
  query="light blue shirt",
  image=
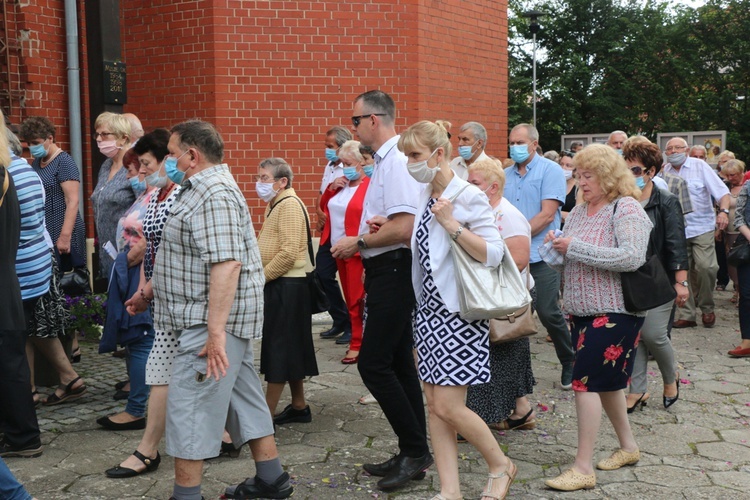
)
(544, 180)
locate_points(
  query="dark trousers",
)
(325, 266)
(722, 277)
(743, 276)
(386, 362)
(17, 413)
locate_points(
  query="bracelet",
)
(143, 296)
(458, 232)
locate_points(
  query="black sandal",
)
(75, 356)
(122, 472)
(69, 395)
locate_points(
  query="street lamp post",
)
(533, 15)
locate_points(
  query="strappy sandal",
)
(441, 497)
(510, 471)
(523, 423)
(70, 394)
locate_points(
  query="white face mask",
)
(265, 191)
(568, 174)
(421, 172)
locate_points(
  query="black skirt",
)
(287, 351)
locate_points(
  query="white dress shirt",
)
(332, 172)
(460, 167)
(473, 211)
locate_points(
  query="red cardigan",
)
(353, 215)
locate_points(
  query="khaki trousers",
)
(702, 277)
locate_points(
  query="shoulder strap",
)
(307, 226)
(458, 193)
(6, 184)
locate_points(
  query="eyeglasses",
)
(102, 135)
(265, 178)
(672, 149)
(637, 171)
(356, 119)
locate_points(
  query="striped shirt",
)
(33, 262)
(209, 223)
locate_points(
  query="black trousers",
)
(386, 362)
(325, 266)
(17, 414)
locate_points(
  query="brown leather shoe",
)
(683, 323)
(709, 320)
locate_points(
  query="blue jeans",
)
(137, 356)
(10, 488)
(547, 283)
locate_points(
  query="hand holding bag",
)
(486, 292)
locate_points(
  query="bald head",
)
(136, 129)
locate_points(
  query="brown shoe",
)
(709, 320)
(683, 323)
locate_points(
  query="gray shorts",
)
(199, 408)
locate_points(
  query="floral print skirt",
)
(605, 351)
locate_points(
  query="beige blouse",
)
(283, 238)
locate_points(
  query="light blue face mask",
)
(519, 153)
(170, 167)
(138, 186)
(367, 169)
(351, 173)
(640, 182)
(331, 155)
(37, 150)
(466, 152)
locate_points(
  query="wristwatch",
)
(725, 210)
(361, 242)
(683, 283)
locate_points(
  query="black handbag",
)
(318, 299)
(739, 254)
(648, 286)
(76, 282)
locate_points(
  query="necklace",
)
(52, 157)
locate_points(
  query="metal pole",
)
(74, 92)
(534, 78)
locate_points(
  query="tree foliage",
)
(643, 67)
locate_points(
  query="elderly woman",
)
(39, 276)
(667, 241)
(742, 224)
(342, 203)
(734, 171)
(450, 208)
(151, 150)
(604, 236)
(502, 402)
(287, 353)
(113, 194)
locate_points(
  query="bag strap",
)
(6, 185)
(307, 226)
(458, 193)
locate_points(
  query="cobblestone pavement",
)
(698, 449)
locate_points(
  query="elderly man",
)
(472, 139)
(386, 363)
(325, 265)
(576, 146)
(699, 230)
(536, 187)
(208, 282)
(616, 140)
(698, 151)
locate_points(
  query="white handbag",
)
(487, 292)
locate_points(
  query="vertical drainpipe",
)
(74, 91)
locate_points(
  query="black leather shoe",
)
(406, 469)
(121, 472)
(331, 333)
(344, 339)
(290, 415)
(261, 489)
(382, 469)
(135, 425)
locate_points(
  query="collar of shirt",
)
(529, 166)
(197, 178)
(386, 148)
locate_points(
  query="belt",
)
(386, 258)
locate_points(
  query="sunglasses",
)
(638, 171)
(357, 119)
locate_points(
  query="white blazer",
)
(472, 209)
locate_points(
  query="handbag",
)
(514, 326)
(318, 299)
(648, 286)
(739, 254)
(486, 292)
(76, 282)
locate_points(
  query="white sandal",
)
(368, 399)
(510, 471)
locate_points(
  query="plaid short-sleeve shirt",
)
(209, 223)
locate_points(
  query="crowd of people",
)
(190, 287)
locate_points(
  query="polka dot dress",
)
(159, 365)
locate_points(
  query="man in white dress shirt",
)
(472, 139)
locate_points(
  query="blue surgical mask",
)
(38, 151)
(170, 167)
(519, 153)
(331, 155)
(619, 151)
(466, 152)
(138, 186)
(640, 182)
(367, 169)
(351, 173)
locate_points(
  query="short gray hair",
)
(480, 133)
(279, 168)
(552, 155)
(341, 134)
(531, 130)
(699, 147)
(202, 136)
(616, 132)
(13, 143)
(350, 151)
